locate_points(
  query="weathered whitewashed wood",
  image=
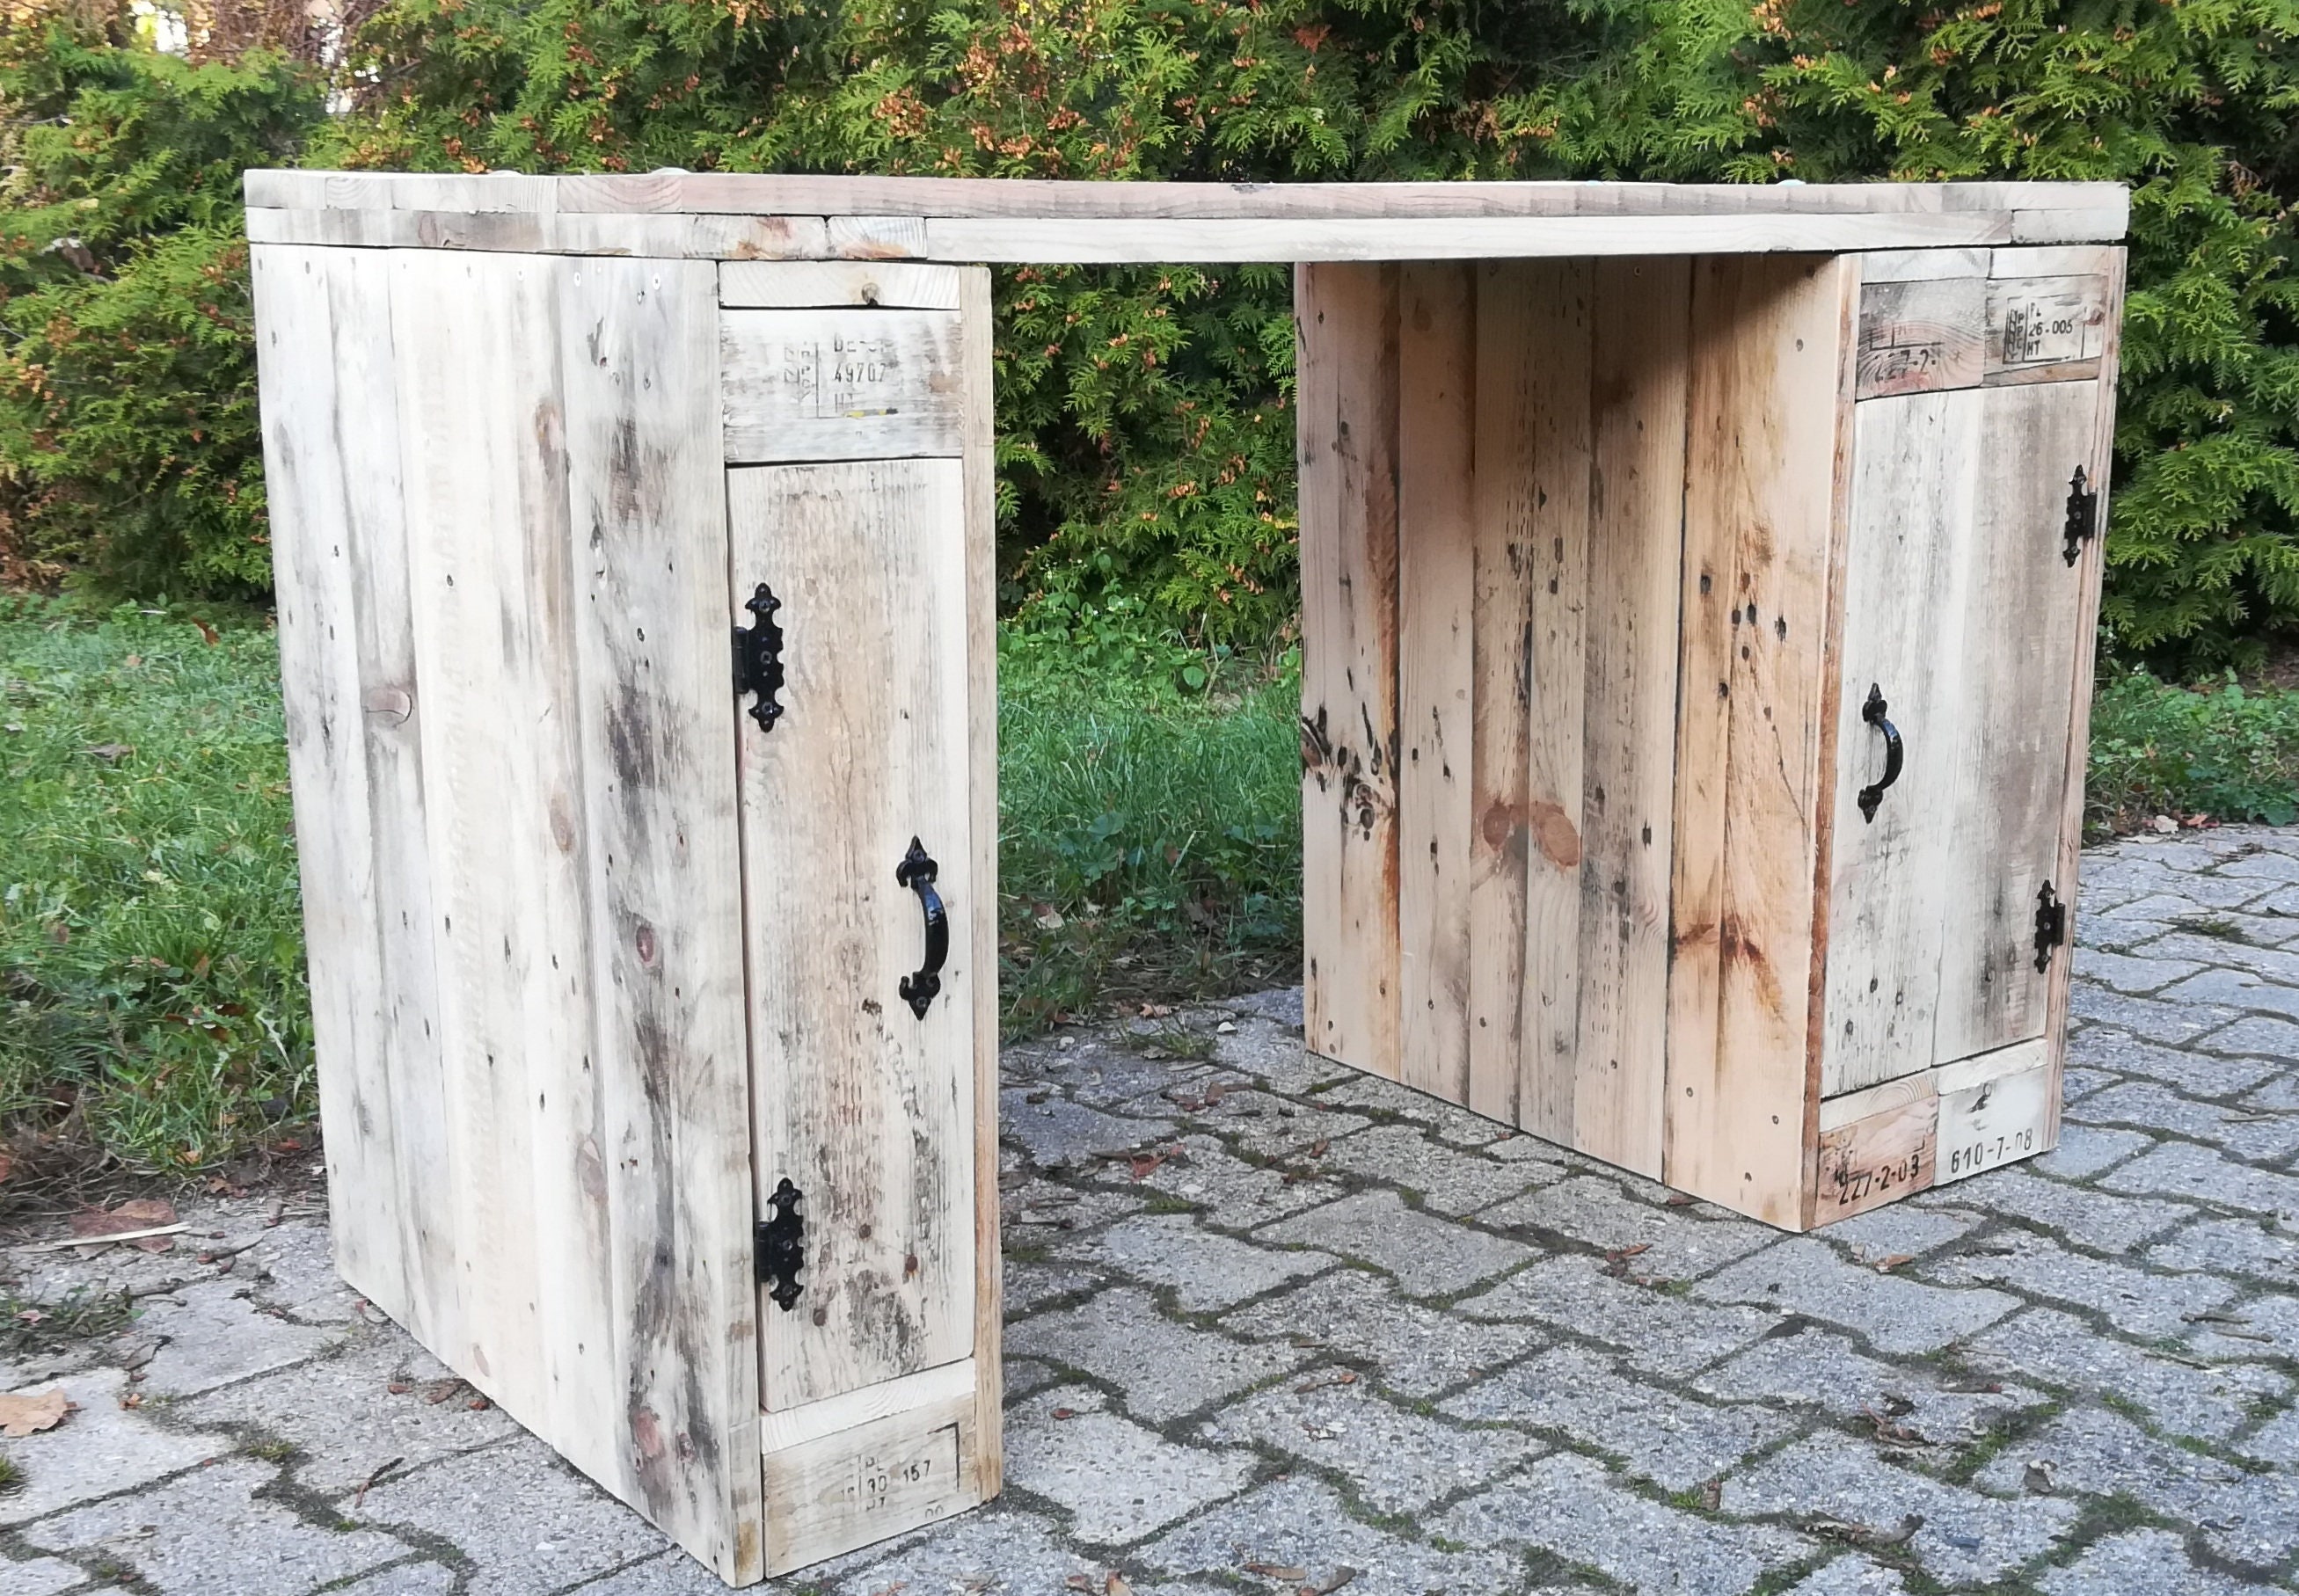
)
(865, 1107)
(674, 1300)
(934, 1387)
(2071, 224)
(673, 236)
(862, 1484)
(798, 284)
(1436, 457)
(1921, 335)
(2046, 329)
(830, 383)
(1347, 412)
(2015, 718)
(1867, 1102)
(1918, 266)
(2060, 260)
(1995, 1109)
(1771, 374)
(1915, 471)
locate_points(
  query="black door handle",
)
(917, 871)
(1872, 712)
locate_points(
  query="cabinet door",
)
(861, 1100)
(1962, 624)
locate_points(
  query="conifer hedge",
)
(1146, 441)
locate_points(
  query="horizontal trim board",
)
(811, 1422)
(794, 285)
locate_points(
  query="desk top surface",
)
(740, 216)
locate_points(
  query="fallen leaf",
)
(1318, 1148)
(1892, 1261)
(2037, 1477)
(142, 1213)
(1617, 1254)
(1338, 1376)
(1078, 1581)
(1065, 1413)
(1678, 1200)
(1156, 1011)
(7, 1166)
(1115, 1586)
(111, 753)
(478, 1404)
(1712, 1492)
(399, 1388)
(207, 633)
(1332, 1581)
(1277, 1571)
(21, 1416)
(132, 1399)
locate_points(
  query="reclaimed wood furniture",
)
(1698, 590)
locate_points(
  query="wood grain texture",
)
(1436, 455)
(672, 236)
(832, 384)
(1921, 335)
(1767, 371)
(862, 1484)
(1878, 1159)
(1348, 429)
(797, 284)
(1635, 509)
(867, 1108)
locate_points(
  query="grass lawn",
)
(151, 998)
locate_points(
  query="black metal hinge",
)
(758, 657)
(781, 1243)
(2083, 516)
(2051, 925)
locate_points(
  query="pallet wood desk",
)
(1698, 586)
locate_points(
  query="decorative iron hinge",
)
(2051, 925)
(758, 657)
(2083, 516)
(781, 1243)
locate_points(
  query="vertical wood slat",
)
(1436, 462)
(1767, 412)
(638, 355)
(1347, 432)
(1636, 497)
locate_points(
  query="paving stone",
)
(1000, 1549)
(1394, 1461)
(2089, 1451)
(1897, 1314)
(2044, 1343)
(1273, 1127)
(435, 1579)
(1049, 1205)
(2077, 1083)
(344, 1421)
(1427, 1255)
(1593, 1210)
(1898, 1230)
(2180, 1169)
(2235, 989)
(1029, 1283)
(1965, 1538)
(2237, 1246)
(1203, 1270)
(1661, 1333)
(526, 1521)
(1102, 1074)
(1281, 1008)
(1164, 1370)
(1023, 1375)
(1416, 1351)
(2135, 1301)
(209, 1530)
(2265, 1327)
(1277, 1060)
(2277, 1039)
(1569, 1506)
(2084, 1150)
(2084, 1215)
(2265, 865)
(1299, 1523)
(293, 1269)
(1449, 1121)
(2276, 1441)
(100, 1449)
(1058, 1134)
(2146, 1562)
(2278, 1094)
(1674, 1441)
(41, 1576)
(2136, 978)
(2245, 1133)
(2188, 1070)
(1446, 1179)
(1853, 1575)
(672, 1574)
(1235, 1195)
(2100, 1009)
(209, 1334)
(1819, 1368)
(1118, 1481)
(2225, 951)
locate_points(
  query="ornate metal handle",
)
(1872, 712)
(917, 871)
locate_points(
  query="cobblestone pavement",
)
(1276, 1328)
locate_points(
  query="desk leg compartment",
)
(657, 1067)
(1695, 658)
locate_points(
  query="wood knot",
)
(1559, 840)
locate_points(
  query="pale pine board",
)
(1347, 409)
(864, 1106)
(1437, 564)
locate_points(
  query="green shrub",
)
(2216, 751)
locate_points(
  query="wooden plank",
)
(1878, 1159)
(1836, 1113)
(863, 1484)
(672, 236)
(2061, 261)
(351, 696)
(1918, 266)
(1635, 502)
(1915, 466)
(1997, 1120)
(2045, 328)
(2073, 223)
(1436, 457)
(1769, 362)
(877, 237)
(1965, 1073)
(928, 1388)
(828, 384)
(978, 333)
(1346, 436)
(2014, 719)
(1922, 334)
(865, 1107)
(671, 1318)
(798, 284)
